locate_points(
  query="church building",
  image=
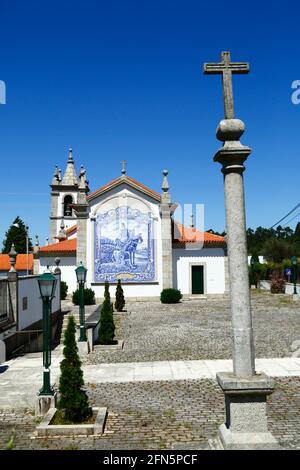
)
(125, 230)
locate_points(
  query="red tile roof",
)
(21, 262)
(184, 234)
(60, 247)
(121, 180)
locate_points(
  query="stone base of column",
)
(296, 297)
(83, 348)
(44, 403)
(246, 412)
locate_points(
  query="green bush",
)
(73, 401)
(63, 290)
(89, 297)
(277, 285)
(120, 300)
(107, 326)
(170, 296)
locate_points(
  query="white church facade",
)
(125, 230)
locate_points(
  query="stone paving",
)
(200, 329)
(160, 414)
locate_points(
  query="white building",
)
(125, 230)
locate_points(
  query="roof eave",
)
(119, 182)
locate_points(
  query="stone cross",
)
(245, 391)
(227, 68)
(123, 163)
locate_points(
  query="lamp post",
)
(47, 284)
(81, 277)
(295, 272)
(27, 243)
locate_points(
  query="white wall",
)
(113, 199)
(28, 287)
(67, 266)
(289, 287)
(214, 271)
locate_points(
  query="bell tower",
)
(64, 193)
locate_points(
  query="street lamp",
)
(295, 272)
(47, 284)
(81, 277)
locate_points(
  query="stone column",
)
(245, 391)
(54, 215)
(226, 271)
(12, 277)
(81, 241)
(82, 213)
(166, 234)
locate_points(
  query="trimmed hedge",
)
(170, 296)
(89, 297)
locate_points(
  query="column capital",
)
(232, 157)
(233, 153)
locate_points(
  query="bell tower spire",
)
(64, 194)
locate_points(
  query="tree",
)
(297, 233)
(277, 250)
(120, 300)
(16, 235)
(73, 400)
(107, 326)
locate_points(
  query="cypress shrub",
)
(170, 296)
(63, 290)
(107, 326)
(120, 300)
(73, 401)
(89, 297)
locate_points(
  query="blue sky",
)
(123, 79)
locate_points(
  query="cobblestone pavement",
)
(161, 415)
(200, 329)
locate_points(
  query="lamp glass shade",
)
(81, 273)
(47, 284)
(294, 260)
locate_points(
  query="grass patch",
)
(58, 418)
(169, 413)
(11, 443)
(285, 300)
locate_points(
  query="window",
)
(67, 209)
(25, 303)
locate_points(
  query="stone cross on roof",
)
(227, 68)
(123, 170)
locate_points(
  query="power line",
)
(290, 220)
(296, 207)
